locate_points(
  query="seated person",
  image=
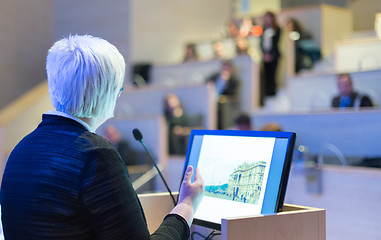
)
(227, 86)
(177, 121)
(242, 46)
(245, 27)
(243, 122)
(225, 81)
(348, 98)
(272, 127)
(190, 53)
(232, 29)
(128, 155)
(219, 51)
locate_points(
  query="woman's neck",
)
(94, 123)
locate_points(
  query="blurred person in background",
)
(272, 127)
(307, 51)
(225, 80)
(232, 29)
(348, 98)
(128, 155)
(242, 46)
(178, 126)
(270, 52)
(243, 122)
(219, 50)
(190, 53)
(226, 85)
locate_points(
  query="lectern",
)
(294, 222)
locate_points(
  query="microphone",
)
(139, 137)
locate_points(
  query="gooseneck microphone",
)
(139, 137)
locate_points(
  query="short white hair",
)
(85, 76)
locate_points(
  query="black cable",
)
(210, 236)
(193, 233)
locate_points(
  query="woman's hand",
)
(190, 195)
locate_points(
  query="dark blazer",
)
(64, 182)
(232, 85)
(274, 51)
(364, 101)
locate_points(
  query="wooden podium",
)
(295, 222)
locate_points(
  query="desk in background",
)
(354, 133)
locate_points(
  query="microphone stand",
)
(158, 170)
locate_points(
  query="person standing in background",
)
(270, 52)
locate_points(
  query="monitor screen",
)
(245, 172)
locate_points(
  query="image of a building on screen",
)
(244, 184)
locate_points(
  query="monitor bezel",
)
(286, 165)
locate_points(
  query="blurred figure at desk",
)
(225, 81)
(348, 98)
(178, 130)
(219, 50)
(272, 127)
(128, 155)
(226, 85)
(190, 53)
(243, 122)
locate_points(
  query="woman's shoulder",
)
(89, 140)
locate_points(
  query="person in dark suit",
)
(348, 98)
(63, 181)
(225, 80)
(226, 85)
(270, 52)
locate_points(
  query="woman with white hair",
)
(63, 181)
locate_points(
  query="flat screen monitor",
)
(245, 172)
